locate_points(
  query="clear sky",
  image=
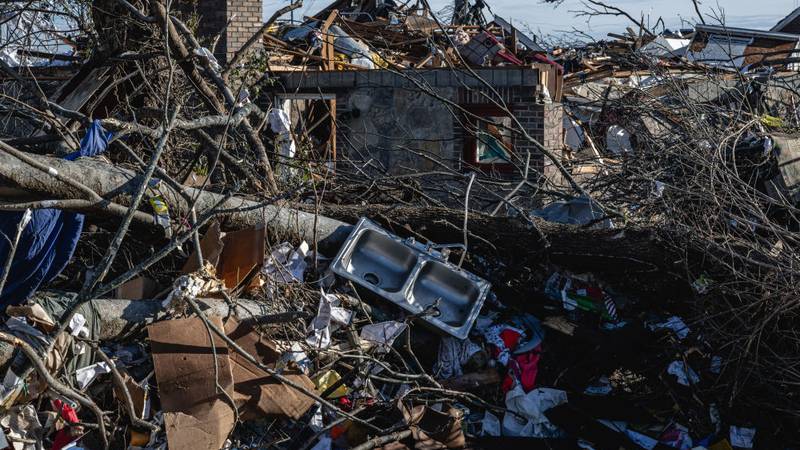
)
(546, 19)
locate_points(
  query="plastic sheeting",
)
(578, 211)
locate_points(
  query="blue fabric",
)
(48, 241)
(93, 143)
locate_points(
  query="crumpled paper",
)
(285, 264)
(85, 375)
(675, 324)
(23, 423)
(193, 285)
(383, 333)
(329, 317)
(742, 437)
(683, 373)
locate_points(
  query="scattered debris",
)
(376, 227)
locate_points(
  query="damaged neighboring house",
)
(739, 48)
(789, 24)
(401, 119)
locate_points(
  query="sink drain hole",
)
(371, 278)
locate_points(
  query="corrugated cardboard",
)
(137, 288)
(256, 393)
(237, 256)
(242, 257)
(211, 246)
(137, 392)
(188, 373)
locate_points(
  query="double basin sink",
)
(414, 276)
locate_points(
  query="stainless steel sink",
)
(380, 261)
(455, 293)
(412, 275)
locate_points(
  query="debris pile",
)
(187, 261)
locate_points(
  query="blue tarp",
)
(48, 241)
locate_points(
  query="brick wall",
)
(214, 14)
(553, 140)
(543, 122)
(248, 20)
(394, 116)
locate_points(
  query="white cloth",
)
(531, 407)
(490, 425)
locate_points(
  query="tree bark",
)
(20, 181)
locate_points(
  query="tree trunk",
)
(517, 257)
(22, 181)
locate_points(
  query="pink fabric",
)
(523, 368)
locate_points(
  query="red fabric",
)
(524, 368)
(510, 338)
(337, 431)
(345, 403)
(595, 292)
(63, 436)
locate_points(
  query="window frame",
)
(470, 150)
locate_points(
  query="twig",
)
(466, 218)
(23, 222)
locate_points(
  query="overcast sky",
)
(546, 19)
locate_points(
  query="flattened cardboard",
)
(205, 429)
(255, 392)
(196, 414)
(211, 245)
(242, 257)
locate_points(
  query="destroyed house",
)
(789, 24)
(418, 119)
(738, 48)
(390, 89)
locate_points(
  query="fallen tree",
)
(514, 245)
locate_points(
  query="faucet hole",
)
(371, 278)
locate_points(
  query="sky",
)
(544, 19)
